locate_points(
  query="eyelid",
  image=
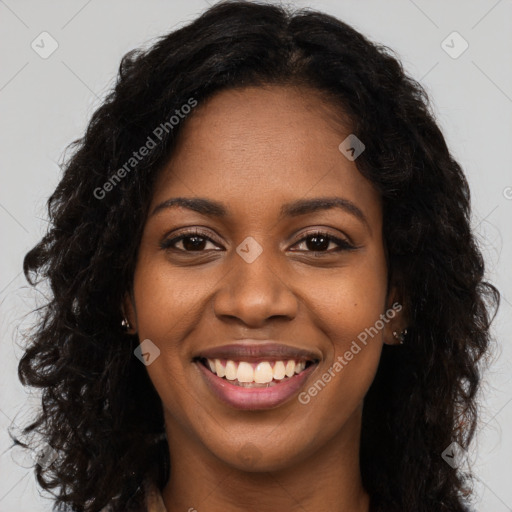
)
(324, 231)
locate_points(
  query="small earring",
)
(125, 324)
(400, 337)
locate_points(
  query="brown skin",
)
(255, 149)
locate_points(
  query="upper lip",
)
(250, 351)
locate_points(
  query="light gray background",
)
(46, 103)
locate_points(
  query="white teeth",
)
(230, 370)
(219, 368)
(263, 373)
(290, 368)
(299, 367)
(279, 370)
(244, 372)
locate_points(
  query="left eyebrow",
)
(305, 206)
(213, 208)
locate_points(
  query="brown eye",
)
(192, 241)
(320, 242)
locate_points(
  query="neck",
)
(328, 479)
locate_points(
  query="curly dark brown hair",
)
(100, 411)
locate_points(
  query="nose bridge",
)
(254, 289)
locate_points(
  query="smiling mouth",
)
(260, 374)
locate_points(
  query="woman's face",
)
(258, 275)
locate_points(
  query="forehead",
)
(260, 146)
(254, 126)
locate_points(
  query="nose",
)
(255, 292)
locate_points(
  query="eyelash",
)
(344, 245)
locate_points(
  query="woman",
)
(266, 292)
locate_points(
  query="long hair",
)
(100, 411)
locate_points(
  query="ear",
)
(129, 312)
(396, 316)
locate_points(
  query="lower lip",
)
(254, 398)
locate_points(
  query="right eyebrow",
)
(198, 204)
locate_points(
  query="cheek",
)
(168, 299)
(165, 313)
(350, 300)
(349, 306)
